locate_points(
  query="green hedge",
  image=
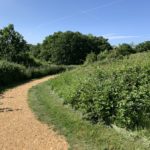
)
(12, 73)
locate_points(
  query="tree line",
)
(61, 48)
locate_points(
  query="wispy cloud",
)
(101, 6)
(116, 37)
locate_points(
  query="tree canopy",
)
(145, 46)
(12, 44)
(71, 47)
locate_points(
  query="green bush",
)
(120, 97)
(46, 70)
(116, 93)
(124, 49)
(103, 55)
(90, 58)
(145, 46)
(27, 60)
(11, 73)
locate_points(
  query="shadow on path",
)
(7, 109)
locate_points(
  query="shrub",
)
(11, 73)
(26, 60)
(145, 46)
(90, 58)
(116, 93)
(124, 49)
(103, 55)
(120, 97)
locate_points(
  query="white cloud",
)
(115, 37)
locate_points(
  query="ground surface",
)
(19, 129)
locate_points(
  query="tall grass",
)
(11, 73)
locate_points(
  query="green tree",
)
(35, 50)
(145, 46)
(124, 49)
(12, 44)
(71, 47)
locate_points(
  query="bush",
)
(145, 46)
(26, 60)
(120, 97)
(90, 58)
(46, 70)
(116, 93)
(124, 49)
(103, 55)
(11, 73)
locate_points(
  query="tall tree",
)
(145, 46)
(71, 47)
(12, 44)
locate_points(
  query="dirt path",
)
(19, 129)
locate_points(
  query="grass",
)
(80, 134)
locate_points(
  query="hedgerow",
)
(12, 73)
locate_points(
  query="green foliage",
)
(19, 62)
(116, 93)
(11, 73)
(103, 55)
(12, 44)
(120, 97)
(71, 47)
(116, 53)
(36, 50)
(90, 58)
(124, 49)
(145, 46)
(80, 134)
(46, 70)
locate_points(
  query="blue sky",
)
(118, 20)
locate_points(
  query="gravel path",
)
(19, 129)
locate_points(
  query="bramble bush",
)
(116, 93)
(121, 97)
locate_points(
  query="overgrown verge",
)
(81, 135)
(116, 93)
(11, 73)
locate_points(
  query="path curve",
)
(19, 129)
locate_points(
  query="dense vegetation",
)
(16, 62)
(80, 134)
(113, 93)
(12, 72)
(69, 47)
(111, 85)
